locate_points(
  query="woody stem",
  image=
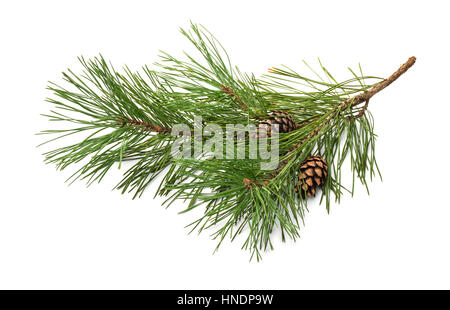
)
(353, 101)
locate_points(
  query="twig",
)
(360, 113)
(238, 99)
(353, 101)
(144, 125)
(249, 183)
(365, 96)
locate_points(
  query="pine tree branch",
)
(353, 101)
(129, 117)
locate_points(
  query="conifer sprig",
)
(129, 116)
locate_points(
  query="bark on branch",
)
(144, 125)
(365, 96)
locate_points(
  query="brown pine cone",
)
(313, 173)
(281, 118)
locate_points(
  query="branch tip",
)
(365, 96)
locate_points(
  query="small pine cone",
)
(313, 173)
(281, 118)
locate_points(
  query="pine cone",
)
(313, 173)
(281, 118)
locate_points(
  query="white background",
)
(54, 236)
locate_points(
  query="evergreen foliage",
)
(128, 116)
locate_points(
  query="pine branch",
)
(351, 102)
(129, 117)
